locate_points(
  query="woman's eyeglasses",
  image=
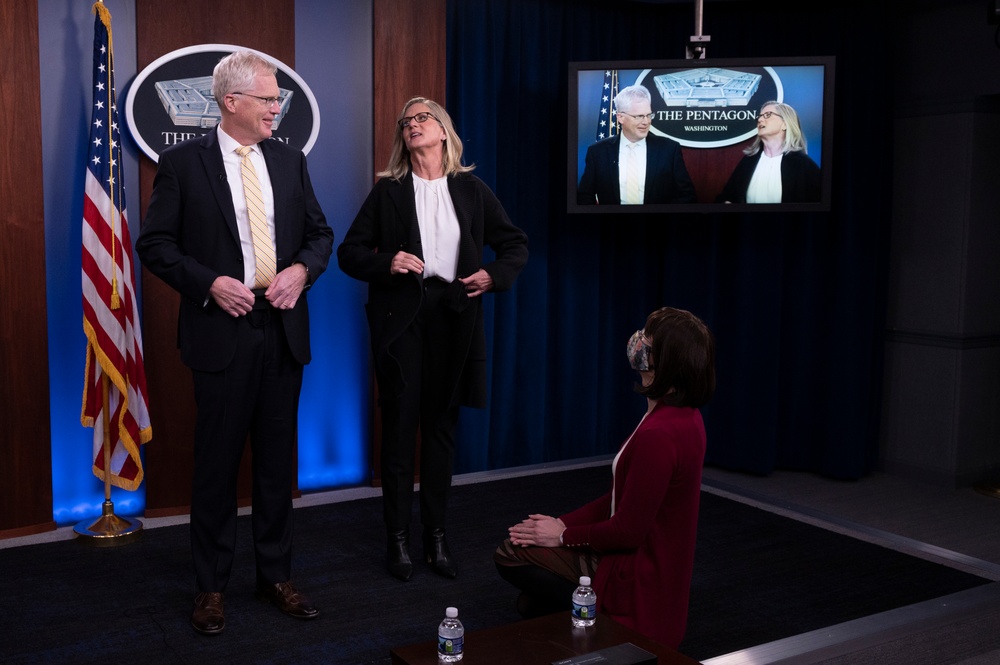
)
(418, 118)
(768, 114)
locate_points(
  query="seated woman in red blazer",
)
(637, 541)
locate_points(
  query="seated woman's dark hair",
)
(683, 358)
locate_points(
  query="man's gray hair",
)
(629, 96)
(236, 73)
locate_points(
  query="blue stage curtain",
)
(796, 300)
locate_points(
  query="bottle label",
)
(584, 611)
(450, 646)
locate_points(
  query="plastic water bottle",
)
(451, 637)
(584, 604)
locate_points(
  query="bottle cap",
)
(451, 612)
(584, 581)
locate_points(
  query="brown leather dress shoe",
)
(207, 617)
(287, 599)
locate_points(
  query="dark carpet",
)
(758, 577)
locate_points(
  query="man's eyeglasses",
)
(269, 101)
(768, 114)
(418, 118)
(646, 116)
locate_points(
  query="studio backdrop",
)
(796, 300)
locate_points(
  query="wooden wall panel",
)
(409, 60)
(711, 168)
(160, 28)
(26, 469)
(409, 54)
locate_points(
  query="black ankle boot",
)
(437, 554)
(397, 555)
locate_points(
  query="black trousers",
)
(425, 403)
(256, 395)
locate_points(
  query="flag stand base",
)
(109, 530)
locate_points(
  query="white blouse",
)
(765, 185)
(439, 230)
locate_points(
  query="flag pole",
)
(109, 529)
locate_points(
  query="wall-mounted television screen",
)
(733, 135)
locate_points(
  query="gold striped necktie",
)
(263, 249)
(632, 175)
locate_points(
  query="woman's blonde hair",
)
(794, 139)
(399, 158)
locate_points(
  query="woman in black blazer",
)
(776, 168)
(418, 242)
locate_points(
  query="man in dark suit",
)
(234, 226)
(634, 166)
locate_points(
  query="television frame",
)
(804, 82)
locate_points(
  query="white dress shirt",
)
(232, 162)
(632, 160)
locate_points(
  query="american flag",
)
(114, 341)
(607, 125)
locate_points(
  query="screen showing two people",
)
(701, 137)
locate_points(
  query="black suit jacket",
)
(386, 224)
(189, 238)
(667, 179)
